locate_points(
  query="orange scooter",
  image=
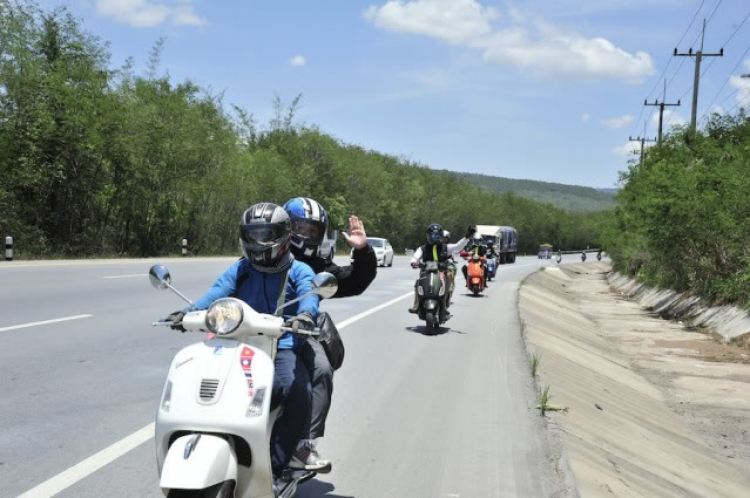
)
(475, 273)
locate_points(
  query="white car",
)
(383, 250)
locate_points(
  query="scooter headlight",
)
(224, 316)
(420, 290)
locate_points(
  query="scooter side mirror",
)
(325, 285)
(159, 277)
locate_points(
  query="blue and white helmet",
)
(309, 226)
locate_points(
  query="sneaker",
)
(307, 458)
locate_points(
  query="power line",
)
(695, 16)
(739, 61)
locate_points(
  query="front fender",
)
(430, 304)
(198, 461)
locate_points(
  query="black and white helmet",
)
(477, 239)
(265, 233)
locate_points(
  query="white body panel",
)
(223, 415)
(212, 461)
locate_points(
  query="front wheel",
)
(222, 490)
(429, 319)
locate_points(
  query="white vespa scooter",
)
(213, 424)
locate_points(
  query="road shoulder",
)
(635, 399)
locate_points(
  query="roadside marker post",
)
(184, 247)
(8, 248)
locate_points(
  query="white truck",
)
(503, 239)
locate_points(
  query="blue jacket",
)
(261, 292)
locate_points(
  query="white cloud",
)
(455, 21)
(630, 148)
(619, 122)
(585, 117)
(671, 118)
(537, 46)
(297, 60)
(547, 50)
(742, 85)
(148, 13)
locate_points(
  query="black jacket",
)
(353, 279)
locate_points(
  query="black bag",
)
(331, 341)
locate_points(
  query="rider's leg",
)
(291, 389)
(415, 306)
(321, 379)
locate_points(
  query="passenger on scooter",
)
(258, 279)
(309, 245)
(477, 247)
(435, 250)
(451, 271)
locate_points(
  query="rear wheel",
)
(475, 290)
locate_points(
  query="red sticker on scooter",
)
(246, 361)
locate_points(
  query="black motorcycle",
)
(583, 257)
(431, 288)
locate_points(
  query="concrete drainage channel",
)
(644, 406)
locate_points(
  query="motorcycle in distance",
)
(213, 423)
(431, 289)
(559, 258)
(599, 256)
(475, 272)
(583, 257)
(491, 268)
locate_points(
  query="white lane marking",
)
(127, 276)
(67, 478)
(369, 312)
(44, 322)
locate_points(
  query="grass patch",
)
(535, 360)
(544, 402)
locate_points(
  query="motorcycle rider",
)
(435, 250)
(258, 278)
(477, 247)
(309, 245)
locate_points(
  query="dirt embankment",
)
(654, 409)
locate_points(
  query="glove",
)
(302, 321)
(415, 265)
(176, 318)
(471, 230)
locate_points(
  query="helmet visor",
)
(310, 231)
(434, 237)
(262, 234)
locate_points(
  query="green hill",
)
(570, 197)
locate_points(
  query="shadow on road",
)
(318, 489)
(421, 329)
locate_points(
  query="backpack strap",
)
(282, 293)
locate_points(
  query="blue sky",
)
(546, 90)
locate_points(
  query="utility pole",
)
(661, 105)
(699, 55)
(643, 141)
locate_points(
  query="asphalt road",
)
(413, 415)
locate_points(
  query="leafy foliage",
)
(99, 161)
(683, 219)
